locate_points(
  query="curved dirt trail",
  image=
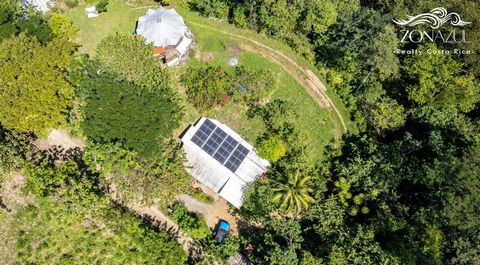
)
(312, 84)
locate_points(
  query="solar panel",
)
(237, 158)
(203, 133)
(219, 145)
(225, 149)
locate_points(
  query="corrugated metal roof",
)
(230, 185)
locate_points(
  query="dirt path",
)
(219, 209)
(59, 137)
(312, 84)
(157, 218)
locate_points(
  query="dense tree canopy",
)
(136, 117)
(127, 99)
(34, 93)
(439, 81)
(13, 21)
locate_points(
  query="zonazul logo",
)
(435, 18)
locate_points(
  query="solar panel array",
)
(219, 145)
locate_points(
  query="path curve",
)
(312, 84)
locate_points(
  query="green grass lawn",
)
(119, 18)
(317, 126)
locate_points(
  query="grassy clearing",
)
(319, 127)
(119, 18)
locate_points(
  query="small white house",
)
(166, 30)
(220, 159)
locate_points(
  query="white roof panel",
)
(209, 171)
(162, 27)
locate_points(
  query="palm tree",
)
(293, 191)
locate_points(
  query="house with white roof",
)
(165, 29)
(220, 159)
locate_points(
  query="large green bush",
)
(134, 116)
(190, 223)
(207, 86)
(34, 93)
(271, 147)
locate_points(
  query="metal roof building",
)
(166, 28)
(220, 159)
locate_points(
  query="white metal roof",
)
(216, 176)
(162, 27)
(184, 44)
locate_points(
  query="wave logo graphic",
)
(436, 18)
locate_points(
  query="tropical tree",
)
(12, 21)
(272, 148)
(119, 111)
(293, 191)
(438, 81)
(34, 94)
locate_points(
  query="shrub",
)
(190, 223)
(239, 18)
(207, 86)
(212, 8)
(62, 26)
(255, 86)
(271, 147)
(228, 248)
(122, 112)
(102, 6)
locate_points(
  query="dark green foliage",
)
(230, 246)
(276, 243)
(136, 117)
(365, 37)
(258, 202)
(121, 106)
(101, 6)
(207, 86)
(212, 8)
(190, 223)
(12, 22)
(13, 149)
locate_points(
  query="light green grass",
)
(119, 18)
